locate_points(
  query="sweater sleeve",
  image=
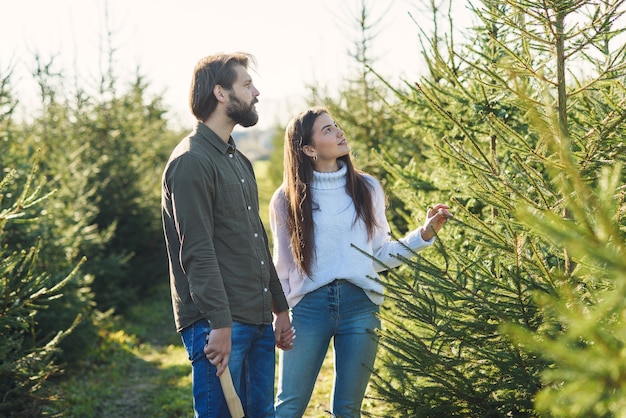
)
(282, 257)
(387, 251)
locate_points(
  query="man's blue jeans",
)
(342, 312)
(251, 363)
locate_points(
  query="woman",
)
(328, 221)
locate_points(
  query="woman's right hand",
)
(436, 217)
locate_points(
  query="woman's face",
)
(328, 142)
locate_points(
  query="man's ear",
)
(219, 93)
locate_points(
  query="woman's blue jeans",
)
(342, 312)
(252, 364)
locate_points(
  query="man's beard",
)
(240, 113)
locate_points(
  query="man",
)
(223, 282)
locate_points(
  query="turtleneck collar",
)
(328, 181)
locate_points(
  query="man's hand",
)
(217, 349)
(283, 331)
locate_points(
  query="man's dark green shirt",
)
(219, 258)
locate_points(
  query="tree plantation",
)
(518, 310)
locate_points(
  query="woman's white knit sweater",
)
(339, 242)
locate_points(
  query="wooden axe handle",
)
(232, 399)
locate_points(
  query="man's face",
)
(240, 112)
(242, 99)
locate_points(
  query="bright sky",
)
(296, 42)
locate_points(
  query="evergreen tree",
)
(524, 129)
(103, 156)
(27, 358)
(104, 152)
(127, 139)
(60, 229)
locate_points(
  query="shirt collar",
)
(215, 140)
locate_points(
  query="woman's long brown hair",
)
(298, 175)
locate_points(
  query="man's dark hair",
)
(218, 69)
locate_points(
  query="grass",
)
(140, 368)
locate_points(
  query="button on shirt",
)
(219, 260)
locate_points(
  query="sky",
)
(297, 43)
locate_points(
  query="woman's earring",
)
(315, 157)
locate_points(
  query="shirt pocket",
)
(231, 200)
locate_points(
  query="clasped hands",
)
(218, 346)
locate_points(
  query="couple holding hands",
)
(234, 301)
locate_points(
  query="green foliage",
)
(517, 311)
(64, 220)
(127, 144)
(484, 324)
(102, 154)
(588, 373)
(27, 357)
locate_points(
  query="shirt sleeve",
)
(192, 189)
(386, 251)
